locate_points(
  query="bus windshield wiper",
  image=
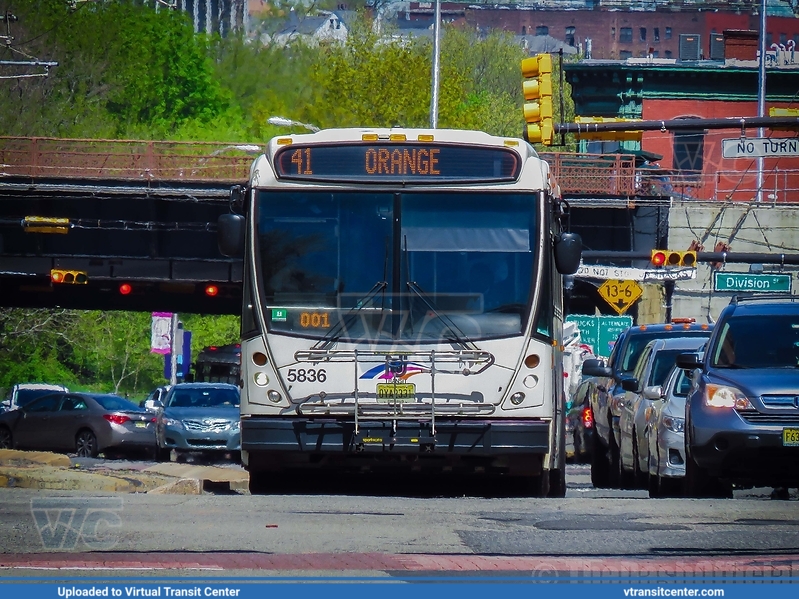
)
(335, 332)
(458, 336)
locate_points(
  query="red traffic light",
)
(125, 288)
(658, 257)
(211, 290)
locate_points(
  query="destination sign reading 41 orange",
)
(397, 162)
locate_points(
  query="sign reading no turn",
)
(759, 147)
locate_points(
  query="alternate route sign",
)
(600, 332)
(760, 283)
(759, 147)
(620, 295)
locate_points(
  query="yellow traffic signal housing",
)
(537, 88)
(673, 258)
(606, 135)
(69, 277)
(789, 112)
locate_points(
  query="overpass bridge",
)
(139, 218)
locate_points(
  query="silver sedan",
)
(666, 436)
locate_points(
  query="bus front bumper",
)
(330, 436)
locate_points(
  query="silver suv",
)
(24, 393)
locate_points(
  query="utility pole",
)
(173, 349)
(9, 18)
(761, 95)
(436, 58)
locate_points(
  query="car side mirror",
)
(652, 392)
(688, 361)
(630, 384)
(596, 367)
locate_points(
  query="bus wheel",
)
(557, 483)
(557, 477)
(259, 483)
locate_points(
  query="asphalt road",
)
(375, 519)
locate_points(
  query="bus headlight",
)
(517, 398)
(261, 379)
(530, 381)
(273, 396)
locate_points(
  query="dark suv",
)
(606, 392)
(742, 413)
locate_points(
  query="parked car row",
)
(698, 414)
(608, 397)
(192, 417)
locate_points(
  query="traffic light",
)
(69, 277)
(783, 112)
(606, 135)
(537, 87)
(673, 258)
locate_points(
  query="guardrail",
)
(600, 176)
(52, 158)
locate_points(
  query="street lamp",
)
(284, 122)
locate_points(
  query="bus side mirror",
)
(568, 252)
(230, 234)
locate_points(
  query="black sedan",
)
(82, 423)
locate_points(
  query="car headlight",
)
(674, 424)
(171, 422)
(724, 396)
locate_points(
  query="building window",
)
(796, 39)
(570, 35)
(783, 38)
(668, 33)
(542, 30)
(655, 54)
(769, 40)
(667, 53)
(613, 33)
(642, 32)
(688, 152)
(626, 35)
(625, 54)
(656, 34)
(524, 29)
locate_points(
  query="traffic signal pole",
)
(718, 257)
(742, 123)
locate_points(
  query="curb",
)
(44, 470)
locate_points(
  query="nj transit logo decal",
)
(381, 373)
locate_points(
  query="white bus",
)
(402, 306)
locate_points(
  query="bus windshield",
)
(418, 267)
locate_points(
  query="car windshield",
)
(112, 402)
(758, 341)
(683, 384)
(25, 396)
(663, 363)
(203, 398)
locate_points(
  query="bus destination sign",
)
(397, 163)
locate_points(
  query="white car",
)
(666, 436)
(24, 393)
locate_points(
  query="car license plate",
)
(790, 437)
(141, 424)
(396, 392)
